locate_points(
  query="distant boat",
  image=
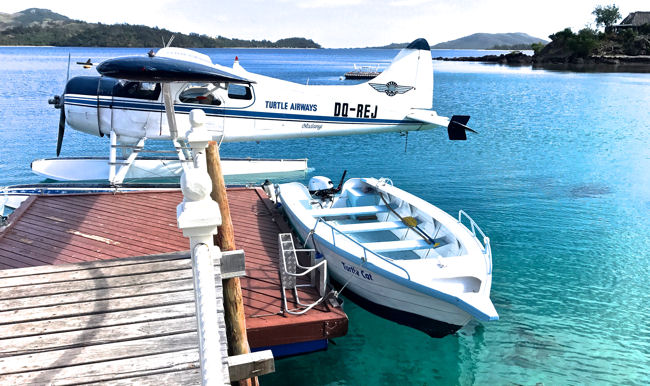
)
(395, 254)
(363, 72)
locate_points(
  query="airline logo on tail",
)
(391, 88)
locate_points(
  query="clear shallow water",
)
(559, 178)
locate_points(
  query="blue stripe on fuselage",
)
(222, 112)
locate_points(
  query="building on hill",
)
(633, 21)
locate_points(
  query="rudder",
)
(409, 76)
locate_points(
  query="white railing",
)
(199, 216)
(487, 249)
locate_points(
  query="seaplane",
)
(136, 99)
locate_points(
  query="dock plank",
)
(40, 269)
(50, 326)
(95, 307)
(96, 336)
(97, 353)
(164, 363)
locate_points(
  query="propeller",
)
(59, 103)
(59, 138)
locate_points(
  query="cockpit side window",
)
(137, 90)
(201, 93)
(239, 91)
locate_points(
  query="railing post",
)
(199, 217)
(232, 294)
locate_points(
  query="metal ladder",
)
(288, 274)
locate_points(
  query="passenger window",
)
(201, 93)
(239, 91)
(137, 90)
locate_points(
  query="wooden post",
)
(225, 239)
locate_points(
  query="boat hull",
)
(433, 328)
(380, 294)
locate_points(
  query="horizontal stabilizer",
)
(428, 117)
(458, 127)
(162, 69)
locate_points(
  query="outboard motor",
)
(319, 183)
(323, 187)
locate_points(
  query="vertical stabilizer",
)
(409, 78)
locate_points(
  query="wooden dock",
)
(128, 320)
(69, 321)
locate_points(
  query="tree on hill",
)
(606, 16)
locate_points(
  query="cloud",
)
(329, 3)
(408, 3)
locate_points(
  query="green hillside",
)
(42, 27)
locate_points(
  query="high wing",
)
(456, 126)
(164, 69)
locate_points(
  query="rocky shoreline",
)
(513, 59)
(605, 63)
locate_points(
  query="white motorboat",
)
(395, 254)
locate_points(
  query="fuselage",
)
(236, 112)
(265, 108)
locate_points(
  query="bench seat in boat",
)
(371, 226)
(396, 246)
(349, 211)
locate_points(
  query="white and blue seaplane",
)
(147, 98)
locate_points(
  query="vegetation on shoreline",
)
(39, 27)
(624, 46)
(515, 47)
(589, 43)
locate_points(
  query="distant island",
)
(617, 47)
(42, 27)
(484, 41)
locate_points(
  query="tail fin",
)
(409, 76)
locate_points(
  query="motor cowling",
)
(317, 183)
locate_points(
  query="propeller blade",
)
(59, 139)
(59, 102)
(67, 77)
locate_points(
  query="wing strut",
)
(180, 145)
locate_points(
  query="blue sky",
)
(338, 23)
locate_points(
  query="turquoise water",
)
(558, 177)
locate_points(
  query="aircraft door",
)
(104, 113)
(134, 109)
(238, 97)
(204, 96)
